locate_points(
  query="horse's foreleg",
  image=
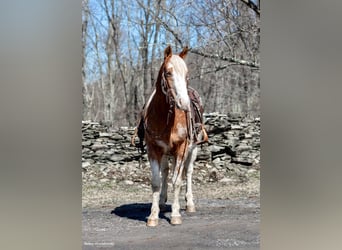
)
(153, 218)
(190, 206)
(175, 215)
(178, 165)
(163, 193)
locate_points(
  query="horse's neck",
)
(161, 106)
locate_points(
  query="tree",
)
(122, 48)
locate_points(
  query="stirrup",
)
(202, 137)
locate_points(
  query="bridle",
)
(170, 96)
(168, 91)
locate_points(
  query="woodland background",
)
(122, 50)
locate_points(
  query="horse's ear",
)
(167, 52)
(184, 52)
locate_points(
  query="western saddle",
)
(199, 133)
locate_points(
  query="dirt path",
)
(114, 215)
(217, 224)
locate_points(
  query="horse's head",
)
(174, 76)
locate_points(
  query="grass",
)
(99, 194)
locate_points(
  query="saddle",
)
(198, 128)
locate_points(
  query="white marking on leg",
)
(155, 189)
(165, 173)
(175, 204)
(189, 169)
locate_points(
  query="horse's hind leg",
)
(163, 193)
(152, 220)
(190, 206)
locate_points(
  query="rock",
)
(203, 155)
(98, 146)
(247, 136)
(128, 182)
(243, 147)
(233, 141)
(85, 164)
(245, 160)
(103, 134)
(116, 158)
(99, 152)
(117, 137)
(215, 148)
(226, 158)
(236, 127)
(216, 161)
(85, 150)
(218, 156)
(226, 180)
(86, 143)
(251, 171)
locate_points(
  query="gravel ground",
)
(115, 210)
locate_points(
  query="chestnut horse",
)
(168, 134)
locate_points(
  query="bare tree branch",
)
(253, 6)
(122, 45)
(225, 58)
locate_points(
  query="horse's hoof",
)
(152, 222)
(176, 220)
(190, 209)
(162, 207)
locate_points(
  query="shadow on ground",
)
(139, 211)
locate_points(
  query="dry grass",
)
(112, 193)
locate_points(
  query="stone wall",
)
(232, 140)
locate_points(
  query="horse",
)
(168, 134)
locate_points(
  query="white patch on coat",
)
(163, 145)
(182, 131)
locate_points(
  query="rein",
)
(190, 138)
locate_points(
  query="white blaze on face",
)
(182, 97)
(179, 71)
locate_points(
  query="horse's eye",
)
(168, 73)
